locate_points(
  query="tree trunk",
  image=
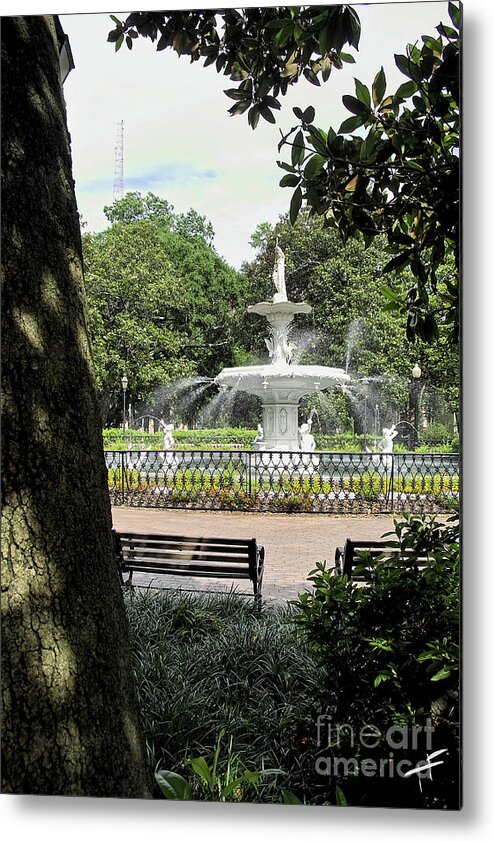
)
(70, 719)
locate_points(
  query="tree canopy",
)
(265, 50)
(162, 303)
(399, 180)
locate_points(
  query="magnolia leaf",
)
(314, 166)
(378, 87)
(309, 114)
(236, 93)
(253, 116)
(290, 181)
(267, 113)
(355, 106)
(406, 89)
(351, 124)
(386, 104)
(352, 184)
(363, 93)
(295, 205)
(298, 148)
(454, 14)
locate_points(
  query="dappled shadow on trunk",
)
(70, 718)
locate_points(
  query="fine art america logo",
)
(397, 738)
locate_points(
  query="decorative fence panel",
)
(341, 483)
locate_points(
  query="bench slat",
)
(179, 539)
(189, 571)
(179, 561)
(144, 552)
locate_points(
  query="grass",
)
(207, 664)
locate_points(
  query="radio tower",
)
(118, 181)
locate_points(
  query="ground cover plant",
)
(210, 665)
(237, 700)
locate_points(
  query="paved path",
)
(293, 543)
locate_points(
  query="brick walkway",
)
(293, 543)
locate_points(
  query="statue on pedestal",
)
(279, 275)
(306, 439)
(168, 440)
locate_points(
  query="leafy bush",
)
(390, 651)
(436, 433)
(241, 439)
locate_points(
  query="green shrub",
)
(436, 433)
(390, 651)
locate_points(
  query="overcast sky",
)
(179, 140)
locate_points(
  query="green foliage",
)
(439, 440)
(384, 655)
(400, 179)
(265, 50)
(437, 433)
(395, 643)
(135, 310)
(224, 779)
(209, 665)
(133, 207)
(162, 304)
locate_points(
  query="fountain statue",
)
(281, 383)
(168, 440)
(306, 439)
(279, 275)
(385, 446)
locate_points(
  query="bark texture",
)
(69, 715)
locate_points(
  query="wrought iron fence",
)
(349, 483)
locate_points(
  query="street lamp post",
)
(125, 382)
(365, 421)
(416, 374)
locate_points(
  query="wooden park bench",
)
(355, 552)
(175, 555)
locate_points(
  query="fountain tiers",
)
(280, 384)
(280, 387)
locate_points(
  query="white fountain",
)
(280, 384)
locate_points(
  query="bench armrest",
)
(338, 561)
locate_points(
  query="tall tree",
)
(163, 305)
(136, 311)
(70, 723)
(400, 180)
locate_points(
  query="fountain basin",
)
(280, 387)
(294, 380)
